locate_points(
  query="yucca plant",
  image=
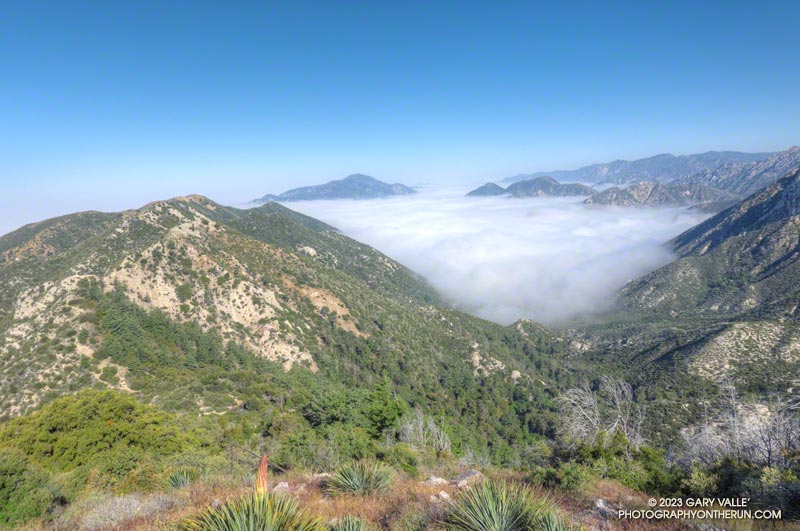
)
(180, 479)
(552, 521)
(256, 512)
(504, 506)
(351, 523)
(360, 478)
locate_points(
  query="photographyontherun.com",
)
(698, 509)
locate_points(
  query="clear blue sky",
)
(112, 104)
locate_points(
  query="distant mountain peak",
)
(546, 186)
(488, 189)
(355, 186)
(542, 186)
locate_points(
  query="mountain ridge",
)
(743, 179)
(539, 187)
(192, 306)
(648, 193)
(355, 186)
(659, 168)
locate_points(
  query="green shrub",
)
(403, 458)
(701, 482)
(24, 489)
(641, 468)
(572, 476)
(184, 292)
(360, 478)
(265, 512)
(83, 428)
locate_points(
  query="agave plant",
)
(256, 512)
(351, 523)
(503, 506)
(180, 479)
(360, 478)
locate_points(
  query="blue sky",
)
(111, 104)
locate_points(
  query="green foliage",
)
(351, 523)
(402, 457)
(77, 430)
(700, 482)
(25, 490)
(504, 506)
(184, 292)
(93, 440)
(642, 468)
(552, 521)
(180, 479)
(265, 512)
(360, 478)
(384, 409)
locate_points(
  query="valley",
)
(267, 330)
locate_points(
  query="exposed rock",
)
(442, 497)
(467, 478)
(434, 480)
(310, 251)
(604, 508)
(281, 487)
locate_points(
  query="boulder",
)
(467, 478)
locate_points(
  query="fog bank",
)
(546, 259)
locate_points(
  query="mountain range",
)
(356, 186)
(655, 194)
(745, 178)
(156, 346)
(538, 187)
(659, 168)
(726, 311)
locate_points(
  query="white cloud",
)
(549, 260)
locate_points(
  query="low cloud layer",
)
(550, 260)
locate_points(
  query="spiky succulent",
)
(180, 479)
(256, 512)
(504, 506)
(360, 478)
(351, 523)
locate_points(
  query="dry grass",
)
(408, 504)
(405, 496)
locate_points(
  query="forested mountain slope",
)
(724, 311)
(193, 306)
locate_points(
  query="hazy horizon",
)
(113, 107)
(67, 197)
